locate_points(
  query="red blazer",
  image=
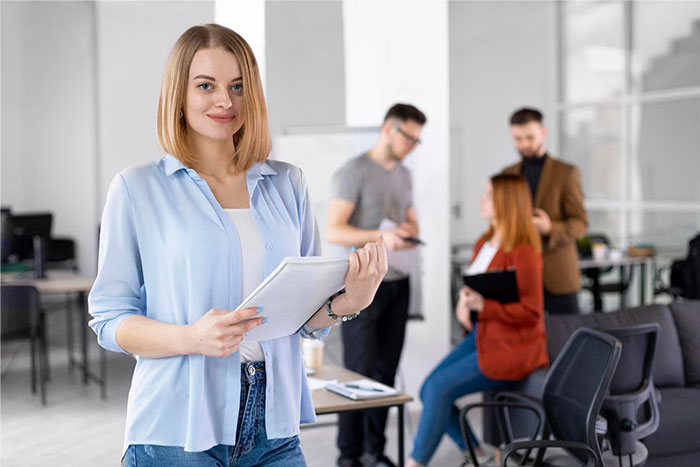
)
(510, 338)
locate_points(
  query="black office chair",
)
(22, 318)
(574, 389)
(632, 394)
(683, 274)
(592, 276)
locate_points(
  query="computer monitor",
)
(33, 224)
(24, 228)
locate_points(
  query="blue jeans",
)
(252, 446)
(456, 376)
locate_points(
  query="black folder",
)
(496, 285)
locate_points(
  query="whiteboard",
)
(319, 152)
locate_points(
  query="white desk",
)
(68, 283)
(624, 262)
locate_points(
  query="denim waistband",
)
(252, 371)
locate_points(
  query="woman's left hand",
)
(367, 268)
(474, 300)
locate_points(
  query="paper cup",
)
(312, 349)
(600, 251)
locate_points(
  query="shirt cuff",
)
(309, 332)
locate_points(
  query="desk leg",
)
(623, 289)
(597, 296)
(83, 334)
(69, 331)
(643, 283)
(401, 430)
(103, 373)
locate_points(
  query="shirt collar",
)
(172, 164)
(535, 161)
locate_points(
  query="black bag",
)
(685, 274)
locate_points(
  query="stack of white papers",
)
(293, 292)
(361, 389)
(318, 383)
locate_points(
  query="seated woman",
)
(508, 342)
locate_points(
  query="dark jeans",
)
(566, 304)
(372, 345)
(252, 446)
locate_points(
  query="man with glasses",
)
(370, 193)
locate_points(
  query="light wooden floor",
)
(77, 428)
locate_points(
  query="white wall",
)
(305, 60)
(65, 133)
(398, 52)
(134, 40)
(47, 116)
(502, 56)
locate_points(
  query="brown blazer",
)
(560, 195)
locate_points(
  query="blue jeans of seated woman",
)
(456, 376)
(252, 446)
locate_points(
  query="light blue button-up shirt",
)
(169, 251)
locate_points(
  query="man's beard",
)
(531, 154)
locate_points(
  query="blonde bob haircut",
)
(252, 141)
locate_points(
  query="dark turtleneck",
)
(531, 170)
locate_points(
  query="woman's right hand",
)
(462, 311)
(218, 333)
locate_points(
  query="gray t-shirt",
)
(377, 193)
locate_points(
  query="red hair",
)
(512, 205)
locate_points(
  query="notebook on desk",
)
(362, 389)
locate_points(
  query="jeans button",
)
(251, 370)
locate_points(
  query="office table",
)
(462, 254)
(68, 283)
(626, 261)
(326, 402)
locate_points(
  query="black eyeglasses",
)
(410, 138)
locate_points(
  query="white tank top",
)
(482, 260)
(252, 268)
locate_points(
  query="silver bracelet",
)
(332, 315)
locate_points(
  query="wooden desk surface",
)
(54, 282)
(329, 402)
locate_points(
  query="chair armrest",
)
(519, 397)
(626, 406)
(526, 399)
(591, 460)
(503, 418)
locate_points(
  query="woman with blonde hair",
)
(508, 342)
(183, 241)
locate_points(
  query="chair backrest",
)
(20, 304)
(632, 388)
(577, 384)
(637, 358)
